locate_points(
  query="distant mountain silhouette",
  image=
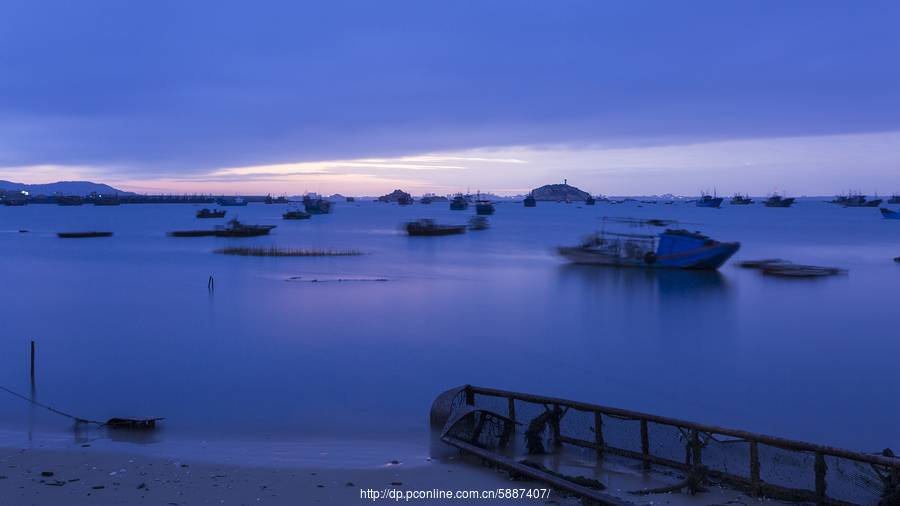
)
(79, 188)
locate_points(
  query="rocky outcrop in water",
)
(394, 196)
(559, 192)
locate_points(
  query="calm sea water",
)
(317, 348)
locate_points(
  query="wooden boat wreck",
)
(487, 423)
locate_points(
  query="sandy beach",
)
(91, 475)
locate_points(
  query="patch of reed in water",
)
(275, 251)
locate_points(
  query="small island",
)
(395, 196)
(555, 192)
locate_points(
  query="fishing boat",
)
(858, 200)
(106, 200)
(895, 199)
(426, 227)
(78, 235)
(459, 203)
(296, 214)
(589, 201)
(351, 199)
(403, 200)
(483, 207)
(891, 215)
(234, 201)
(215, 213)
(620, 243)
(707, 200)
(777, 201)
(530, 201)
(238, 229)
(425, 200)
(738, 200)
(15, 202)
(69, 200)
(316, 206)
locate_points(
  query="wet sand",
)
(90, 476)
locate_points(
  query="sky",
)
(365, 97)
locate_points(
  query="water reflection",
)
(666, 282)
(134, 436)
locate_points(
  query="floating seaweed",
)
(275, 251)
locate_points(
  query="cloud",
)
(172, 89)
(813, 165)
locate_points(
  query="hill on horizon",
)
(80, 188)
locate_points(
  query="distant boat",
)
(107, 200)
(459, 203)
(233, 229)
(483, 207)
(778, 201)
(71, 235)
(69, 200)
(15, 202)
(589, 201)
(738, 200)
(530, 201)
(891, 215)
(425, 200)
(430, 228)
(296, 214)
(709, 200)
(860, 201)
(280, 200)
(403, 200)
(895, 199)
(351, 199)
(672, 249)
(317, 206)
(234, 201)
(215, 213)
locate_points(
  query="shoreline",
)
(92, 473)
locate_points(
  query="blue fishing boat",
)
(530, 201)
(617, 244)
(891, 215)
(235, 201)
(589, 201)
(707, 200)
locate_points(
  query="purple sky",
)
(623, 97)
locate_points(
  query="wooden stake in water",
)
(32, 360)
(211, 285)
